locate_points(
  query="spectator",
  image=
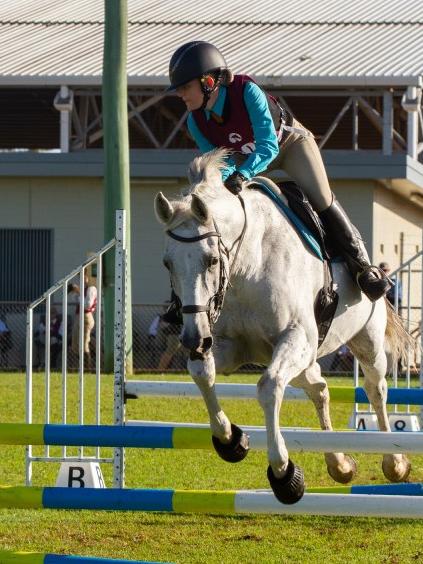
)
(153, 337)
(384, 266)
(90, 305)
(5, 342)
(55, 338)
(343, 360)
(172, 325)
(40, 342)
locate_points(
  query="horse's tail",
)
(400, 342)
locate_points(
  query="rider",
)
(234, 112)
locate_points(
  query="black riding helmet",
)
(193, 60)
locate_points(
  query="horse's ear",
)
(199, 209)
(163, 208)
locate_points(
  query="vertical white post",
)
(28, 399)
(356, 373)
(396, 306)
(99, 264)
(64, 122)
(47, 365)
(64, 354)
(81, 349)
(421, 329)
(355, 125)
(408, 324)
(388, 122)
(119, 343)
(410, 102)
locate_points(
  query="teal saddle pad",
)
(302, 229)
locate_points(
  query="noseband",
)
(215, 303)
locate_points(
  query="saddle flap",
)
(300, 205)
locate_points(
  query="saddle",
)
(307, 222)
(300, 205)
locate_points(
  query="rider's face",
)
(191, 94)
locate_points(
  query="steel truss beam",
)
(87, 126)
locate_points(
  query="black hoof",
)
(290, 488)
(237, 449)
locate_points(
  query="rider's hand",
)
(234, 182)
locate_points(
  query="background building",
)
(352, 74)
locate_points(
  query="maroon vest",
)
(235, 132)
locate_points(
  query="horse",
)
(247, 285)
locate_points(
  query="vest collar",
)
(219, 104)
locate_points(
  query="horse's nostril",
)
(207, 343)
(190, 342)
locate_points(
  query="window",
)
(25, 263)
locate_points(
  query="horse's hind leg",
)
(368, 348)
(341, 467)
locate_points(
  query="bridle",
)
(215, 303)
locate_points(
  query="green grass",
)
(198, 538)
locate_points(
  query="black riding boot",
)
(370, 279)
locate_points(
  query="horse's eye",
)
(213, 261)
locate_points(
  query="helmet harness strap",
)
(208, 85)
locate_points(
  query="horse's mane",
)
(204, 176)
(204, 173)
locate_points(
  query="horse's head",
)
(195, 256)
(196, 266)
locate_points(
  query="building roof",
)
(290, 43)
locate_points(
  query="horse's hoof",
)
(344, 477)
(290, 488)
(237, 449)
(396, 468)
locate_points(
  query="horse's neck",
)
(267, 234)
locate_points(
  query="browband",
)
(192, 239)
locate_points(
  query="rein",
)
(215, 303)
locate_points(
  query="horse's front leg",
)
(292, 355)
(229, 441)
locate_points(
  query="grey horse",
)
(247, 253)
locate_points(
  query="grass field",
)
(199, 538)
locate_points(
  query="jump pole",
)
(214, 502)
(413, 489)
(341, 394)
(198, 436)
(7, 557)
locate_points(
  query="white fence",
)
(68, 412)
(410, 306)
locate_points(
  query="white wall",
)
(393, 216)
(357, 199)
(73, 208)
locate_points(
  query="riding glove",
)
(234, 182)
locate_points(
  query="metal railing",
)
(80, 341)
(408, 303)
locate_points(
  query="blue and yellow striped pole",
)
(366, 498)
(341, 394)
(167, 500)
(198, 436)
(163, 436)
(45, 558)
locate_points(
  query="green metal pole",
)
(116, 163)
